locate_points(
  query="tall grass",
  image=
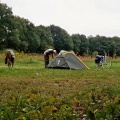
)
(29, 91)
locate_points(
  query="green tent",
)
(67, 60)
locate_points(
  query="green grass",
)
(29, 91)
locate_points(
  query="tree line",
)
(22, 35)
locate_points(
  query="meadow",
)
(30, 92)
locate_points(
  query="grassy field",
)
(30, 92)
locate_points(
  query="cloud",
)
(89, 17)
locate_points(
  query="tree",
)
(76, 42)
(32, 37)
(5, 24)
(45, 37)
(101, 44)
(114, 46)
(92, 45)
(84, 46)
(61, 39)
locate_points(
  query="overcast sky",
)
(88, 17)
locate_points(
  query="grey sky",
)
(88, 17)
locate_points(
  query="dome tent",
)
(67, 60)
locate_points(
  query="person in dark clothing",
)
(46, 55)
(99, 59)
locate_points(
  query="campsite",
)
(79, 84)
(29, 91)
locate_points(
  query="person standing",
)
(48, 52)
